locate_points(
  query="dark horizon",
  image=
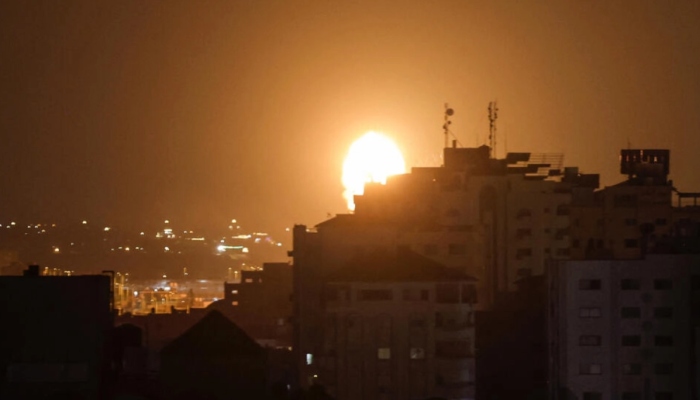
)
(203, 112)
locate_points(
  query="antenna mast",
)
(446, 126)
(493, 116)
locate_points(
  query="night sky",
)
(130, 112)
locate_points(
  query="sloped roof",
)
(405, 266)
(215, 334)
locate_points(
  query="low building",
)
(213, 358)
(55, 335)
(396, 327)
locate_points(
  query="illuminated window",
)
(384, 353)
(234, 292)
(235, 303)
(417, 353)
(309, 358)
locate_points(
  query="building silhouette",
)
(56, 335)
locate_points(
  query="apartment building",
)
(625, 329)
(397, 327)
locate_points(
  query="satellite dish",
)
(449, 112)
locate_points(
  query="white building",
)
(626, 329)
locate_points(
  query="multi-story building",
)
(497, 220)
(625, 329)
(397, 327)
(636, 216)
(261, 303)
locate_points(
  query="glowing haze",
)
(371, 158)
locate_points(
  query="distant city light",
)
(233, 221)
(107, 229)
(12, 223)
(141, 233)
(167, 248)
(84, 222)
(245, 250)
(167, 221)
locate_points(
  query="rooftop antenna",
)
(446, 126)
(493, 116)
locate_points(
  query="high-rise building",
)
(496, 220)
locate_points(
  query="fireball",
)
(371, 158)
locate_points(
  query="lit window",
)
(235, 303)
(309, 358)
(417, 353)
(384, 353)
(234, 292)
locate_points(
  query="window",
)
(590, 369)
(234, 303)
(375, 295)
(592, 396)
(663, 368)
(523, 232)
(663, 284)
(663, 312)
(632, 369)
(663, 341)
(631, 396)
(523, 212)
(417, 353)
(248, 280)
(309, 358)
(452, 349)
(447, 293)
(631, 312)
(631, 243)
(415, 295)
(589, 284)
(589, 312)
(234, 291)
(631, 340)
(384, 353)
(456, 249)
(430, 249)
(468, 293)
(629, 284)
(589, 340)
(524, 252)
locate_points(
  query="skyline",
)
(241, 109)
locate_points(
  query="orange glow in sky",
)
(371, 158)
